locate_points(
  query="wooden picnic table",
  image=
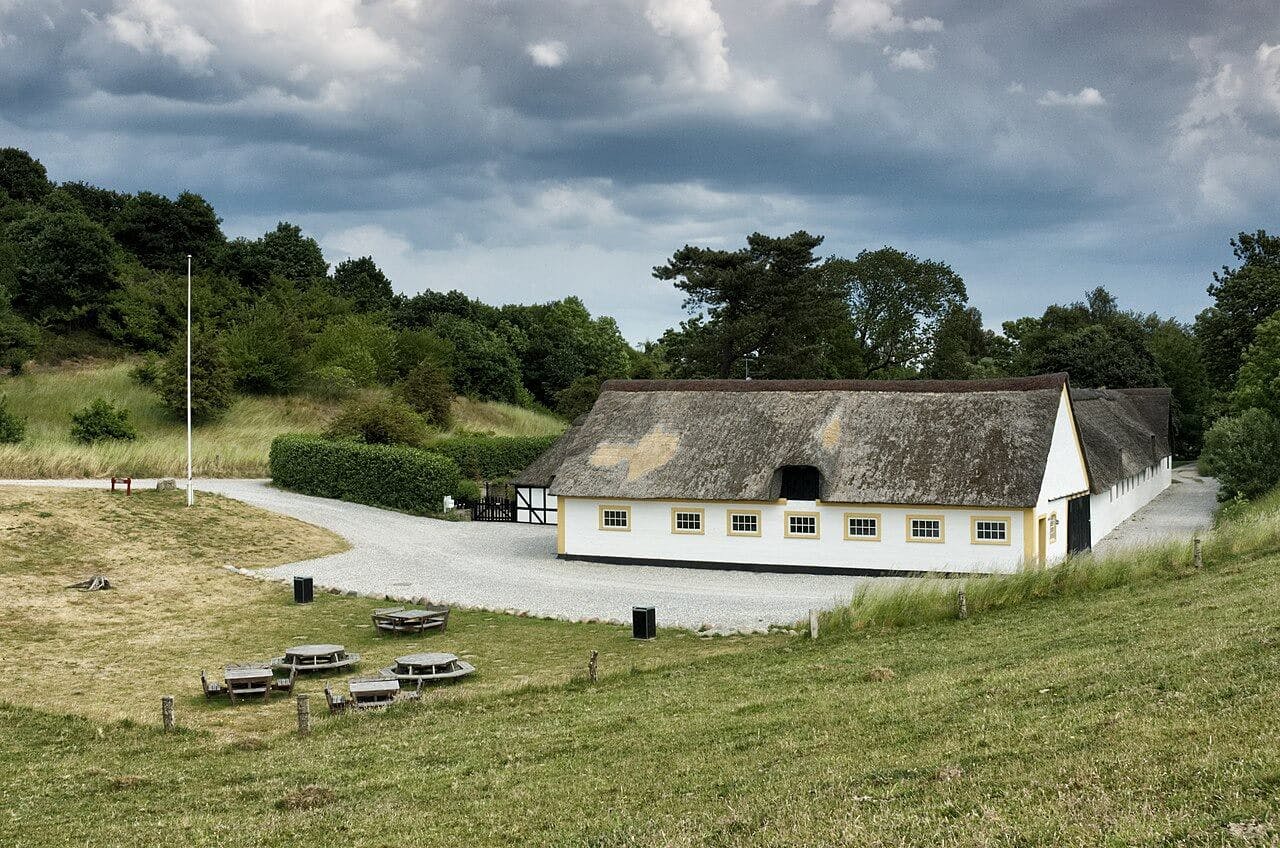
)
(401, 620)
(429, 667)
(246, 681)
(315, 657)
(378, 692)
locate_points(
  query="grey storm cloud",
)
(530, 150)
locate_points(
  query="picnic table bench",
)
(401, 620)
(428, 668)
(247, 681)
(306, 658)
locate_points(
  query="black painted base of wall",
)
(764, 567)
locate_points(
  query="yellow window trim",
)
(879, 527)
(942, 528)
(600, 510)
(728, 522)
(691, 510)
(786, 525)
(1008, 530)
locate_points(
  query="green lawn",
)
(235, 446)
(1146, 713)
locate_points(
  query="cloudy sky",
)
(522, 151)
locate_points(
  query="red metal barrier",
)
(127, 481)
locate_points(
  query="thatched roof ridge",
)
(1004, 384)
(1123, 431)
(543, 469)
(964, 443)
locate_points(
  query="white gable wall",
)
(1109, 508)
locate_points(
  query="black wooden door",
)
(1079, 530)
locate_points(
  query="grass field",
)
(235, 446)
(1137, 713)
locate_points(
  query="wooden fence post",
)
(593, 667)
(813, 624)
(962, 604)
(1197, 558)
(304, 715)
(166, 712)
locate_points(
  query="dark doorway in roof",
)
(800, 482)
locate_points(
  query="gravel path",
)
(513, 567)
(1178, 512)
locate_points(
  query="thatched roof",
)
(965, 443)
(541, 471)
(1123, 430)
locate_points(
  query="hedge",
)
(492, 457)
(379, 475)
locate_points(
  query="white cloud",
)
(912, 59)
(1085, 97)
(697, 27)
(155, 26)
(1228, 130)
(547, 54)
(287, 43)
(863, 20)
(1015, 88)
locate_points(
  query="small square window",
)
(862, 527)
(925, 529)
(803, 525)
(744, 524)
(615, 518)
(686, 521)
(991, 531)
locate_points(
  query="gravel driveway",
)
(1187, 506)
(513, 566)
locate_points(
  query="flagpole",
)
(191, 495)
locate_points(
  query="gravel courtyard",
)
(513, 566)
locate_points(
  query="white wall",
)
(1064, 472)
(651, 537)
(1107, 509)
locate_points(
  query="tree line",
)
(91, 271)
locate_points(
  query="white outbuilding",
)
(863, 477)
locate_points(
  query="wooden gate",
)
(497, 504)
(1079, 525)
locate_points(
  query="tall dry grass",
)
(235, 446)
(1251, 531)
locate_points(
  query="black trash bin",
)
(644, 622)
(303, 590)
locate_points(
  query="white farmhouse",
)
(863, 477)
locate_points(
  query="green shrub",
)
(12, 428)
(102, 421)
(578, 397)
(492, 457)
(1241, 450)
(467, 490)
(387, 421)
(331, 382)
(427, 390)
(379, 475)
(210, 379)
(146, 372)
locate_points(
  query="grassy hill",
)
(235, 446)
(1139, 713)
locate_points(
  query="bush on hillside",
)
(210, 380)
(147, 372)
(379, 475)
(264, 352)
(12, 428)
(492, 457)
(467, 490)
(578, 397)
(102, 421)
(387, 421)
(331, 382)
(427, 390)
(1241, 450)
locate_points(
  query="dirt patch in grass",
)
(307, 798)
